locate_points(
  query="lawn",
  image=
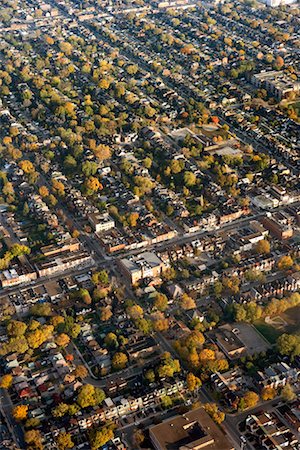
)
(268, 331)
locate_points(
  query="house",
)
(277, 375)
(270, 432)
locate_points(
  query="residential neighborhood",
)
(149, 224)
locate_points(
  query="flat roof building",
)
(193, 430)
(144, 265)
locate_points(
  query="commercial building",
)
(193, 430)
(63, 262)
(101, 222)
(144, 265)
(279, 224)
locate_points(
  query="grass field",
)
(268, 331)
(271, 332)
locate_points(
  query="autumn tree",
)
(16, 328)
(119, 361)
(193, 382)
(98, 438)
(105, 313)
(100, 277)
(20, 412)
(43, 191)
(132, 219)
(60, 410)
(84, 295)
(102, 152)
(135, 312)
(268, 393)
(263, 247)
(64, 441)
(160, 302)
(26, 166)
(80, 372)
(285, 262)
(90, 396)
(33, 439)
(6, 381)
(186, 302)
(288, 394)
(249, 400)
(212, 409)
(62, 340)
(138, 437)
(92, 185)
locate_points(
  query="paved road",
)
(6, 407)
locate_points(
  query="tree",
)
(189, 179)
(288, 393)
(150, 375)
(26, 166)
(193, 382)
(6, 381)
(111, 340)
(119, 361)
(263, 247)
(41, 309)
(80, 372)
(92, 185)
(212, 409)
(285, 262)
(207, 354)
(132, 219)
(84, 295)
(90, 396)
(100, 278)
(20, 412)
(249, 400)
(138, 437)
(64, 441)
(62, 340)
(160, 302)
(66, 48)
(16, 328)
(102, 152)
(176, 166)
(144, 325)
(268, 393)
(43, 191)
(105, 313)
(166, 401)
(135, 312)
(34, 439)
(60, 410)
(288, 344)
(187, 302)
(99, 438)
(279, 62)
